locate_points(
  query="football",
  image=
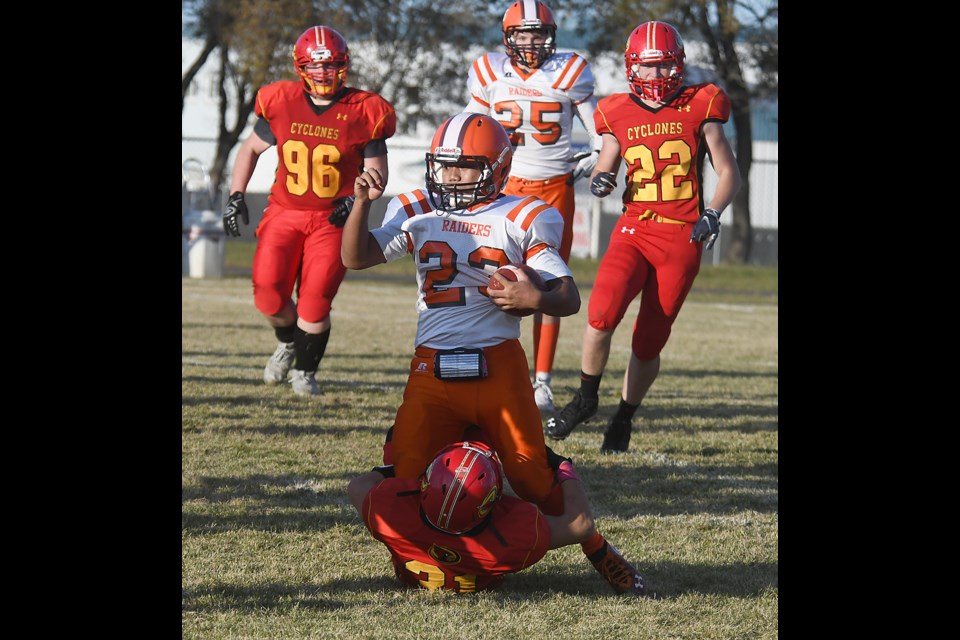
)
(511, 272)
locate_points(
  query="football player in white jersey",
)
(535, 93)
(469, 367)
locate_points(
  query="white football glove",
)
(585, 166)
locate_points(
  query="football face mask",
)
(321, 59)
(535, 22)
(657, 46)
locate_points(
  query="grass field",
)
(272, 548)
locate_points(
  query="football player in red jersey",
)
(663, 130)
(469, 366)
(452, 528)
(535, 93)
(325, 133)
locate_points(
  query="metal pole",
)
(595, 229)
(717, 248)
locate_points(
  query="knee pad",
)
(314, 309)
(601, 324)
(648, 343)
(268, 300)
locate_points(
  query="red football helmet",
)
(529, 15)
(326, 51)
(653, 43)
(460, 487)
(468, 140)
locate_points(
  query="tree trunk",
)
(227, 138)
(209, 45)
(739, 243)
(721, 42)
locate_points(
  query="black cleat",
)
(578, 410)
(616, 437)
(617, 571)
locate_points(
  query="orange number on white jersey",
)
(549, 132)
(437, 291)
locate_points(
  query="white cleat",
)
(279, 364)
(304, 383)
(544, 397)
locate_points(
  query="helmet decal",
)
(459, 490)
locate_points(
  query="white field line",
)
(727, 306)
(247, 300)
(218, 297)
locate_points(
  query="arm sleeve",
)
(393, 240)
(600, 121)
(586, 111)
(381, 116)
(719, 107)
(375, 148)
(262, 129)
(541, 245)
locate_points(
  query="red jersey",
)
(663, 147)
(320, 149)
(515, 537)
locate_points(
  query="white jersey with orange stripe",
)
(537, 108)
(456, 252)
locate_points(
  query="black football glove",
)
(235, 207)
(554, 460)
(707, 228)
(603, 183)
(341, 210)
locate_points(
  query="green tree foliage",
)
(251, 41)
(393, 48)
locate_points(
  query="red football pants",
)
(292, 243)
(655, 258)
